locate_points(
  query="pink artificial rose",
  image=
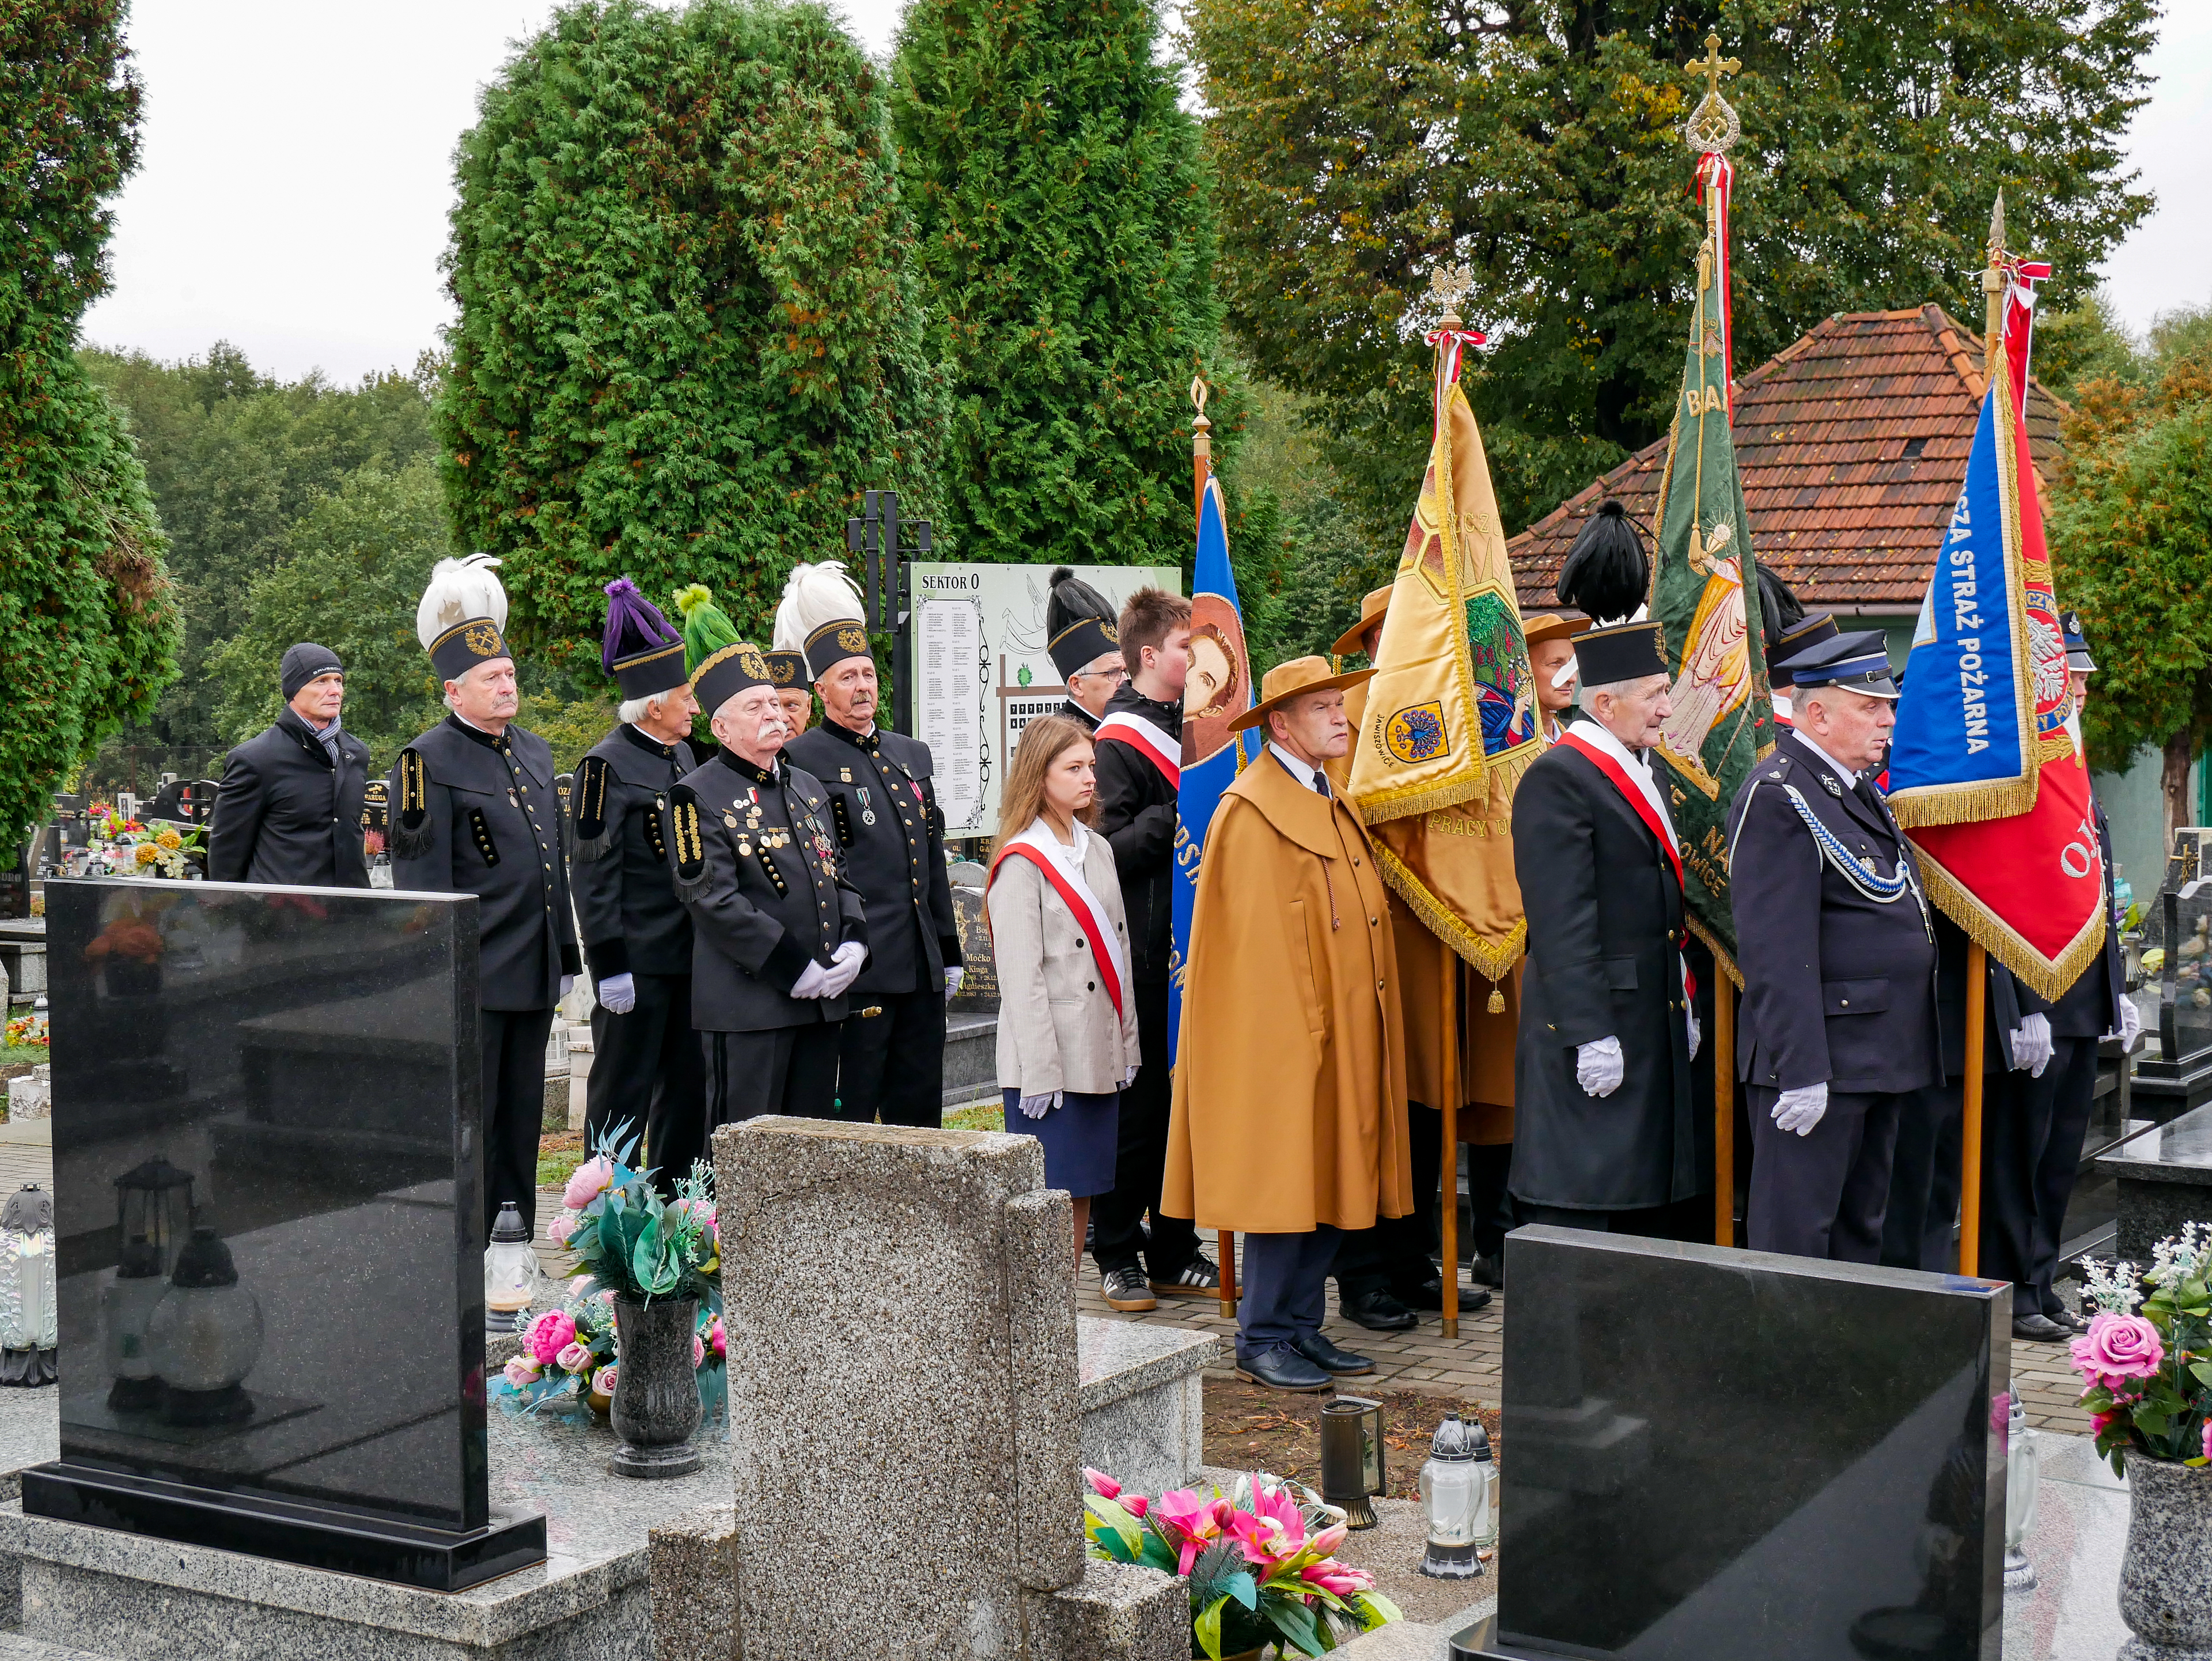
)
(589, 1181)
(717, 1339)
(1101, 1484)
(2118, 1348)
(606, 1297)
(521, 1370)
(603, 1381)
(2099, 1420)
(551, 1333)
(561, 1228)
(573, 1358)
(698, 1351)
(2207, 1438)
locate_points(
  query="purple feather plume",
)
(634, 625)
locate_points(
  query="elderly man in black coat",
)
(1838, 1033)
(289, 811)
(1604, 1134)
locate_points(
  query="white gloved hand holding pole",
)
(1801, 1108)
(1697, 1033)
(2130, 1024)
(2031, 1045)
(1600, 1066)
(952, 979)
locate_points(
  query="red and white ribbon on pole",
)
(1716, 174)
(1450, 344)
(2021, 277)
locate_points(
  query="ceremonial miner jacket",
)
(626, 903)
(475, 814)
(890, 840)
(284, 814)
(755, 865)
(1137, 816)
(1834, 934)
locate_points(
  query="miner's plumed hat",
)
(722, 666)
(1078, 624)
(1627, 651)
(820, 617)
(1608, 573)
(461, 615)
(640, 650)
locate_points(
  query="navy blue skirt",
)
(1079, 1137)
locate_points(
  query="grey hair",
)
(1619, 689)
(634, 710)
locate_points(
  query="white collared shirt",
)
(1304, 772)
(1849, 774)
(1637, 768)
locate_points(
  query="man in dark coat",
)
(289, 811)
(1084, 644)
(1604, 1134)
(778, 938)
(1139, 765)
(891, 847)
(1836, 939)
(646, 1064)
(474, 812)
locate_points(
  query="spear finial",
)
(1993, 285)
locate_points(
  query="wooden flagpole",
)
(1202, 469)
(1448, 1213)
(1970, 1142)
(1723, 1108)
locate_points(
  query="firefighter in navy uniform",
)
(646, 1067)
(891, 843)
(778, 935)
(1838, 1029)
(474, 812)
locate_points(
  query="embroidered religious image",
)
(1215, 691)
(1714, 682)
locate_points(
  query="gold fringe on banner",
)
(1720, 955)
(1494, 959)
(2047, 979)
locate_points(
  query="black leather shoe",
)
(1420, 1294)
(1281, 1367)
(1377, 1311)
(2038, 1329)
(1487, 1271)
(2066, 1319)
(1325, 1355)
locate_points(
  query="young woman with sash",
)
(1067, 1015)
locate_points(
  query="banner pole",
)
(1970, 1140)
(1201, 446)
(1448, 1180)
(1723, 1108)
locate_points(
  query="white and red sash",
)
(1039, 847)
(1162, 750)
(1638, 797)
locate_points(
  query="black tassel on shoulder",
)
(1607, 573)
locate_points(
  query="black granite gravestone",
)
(1711, 1454)
(269, 1227)
(2164, 1180)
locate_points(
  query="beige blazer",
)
(1057, 1029)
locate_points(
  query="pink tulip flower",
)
(1340, 1579)
(1136, 1505)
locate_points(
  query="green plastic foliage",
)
(688, 338)
(87, 626)
(1064, 227)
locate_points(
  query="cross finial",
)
(1712, 66)
(1448, 286)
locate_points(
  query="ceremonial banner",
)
(1983, 771)
(1451, 721)
(1705, 594)
(1218, 690)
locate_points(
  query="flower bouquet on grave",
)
(140, 848)
(2149, 1374)
(1258, 1563)
(574, 1353)
(29, 1031)
(629, 1240)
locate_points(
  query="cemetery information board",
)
(982, 673)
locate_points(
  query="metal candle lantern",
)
(2023, 1474)
(1351, 1457)
(153, 1218)
(1455, 1496)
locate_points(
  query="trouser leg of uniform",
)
(1857, 1236)
(1284, 1291)
(748, 1073)
(1923, 1180)
(810, 1077)
(676, 1119)
(1657, 1222)
(2015, 1126)
(1140, 1159)
(901, 1053)
(2071, 1081)
(626, 1073)
(1799, 1183)
(1492, 1209)
(513, 1043)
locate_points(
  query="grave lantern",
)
(510, 1272)
(1351, 1457)
(153, 1217)
(205, 1336)
(1456, 1499)
(2023, 1474)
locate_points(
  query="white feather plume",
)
(816, 594)
(460, 589)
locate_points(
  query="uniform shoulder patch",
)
(412, 834)
(594, 781)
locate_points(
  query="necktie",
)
(1320, 782)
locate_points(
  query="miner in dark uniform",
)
(1084, 646)
(778, 936)
(289, 810)
(646, 1065)
(1837, 943)
(794, 693)
(891, 842)
(474, 812)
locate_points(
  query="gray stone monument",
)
(905, 1453)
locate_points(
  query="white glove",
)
(1800, 1110)
(1130, 1077)
(844, 968)
(618, 994)
(1697, 1034)
(2130, 1024)
(2031, 1045)
(566, 981)
(1035, 1107)
(1599, 1067)
(952, 979)
(812, 980)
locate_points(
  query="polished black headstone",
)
(270, 1226)
(1712, 1455)
(2164, 1180)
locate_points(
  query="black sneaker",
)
(1200, 1277)
(1125, 1289)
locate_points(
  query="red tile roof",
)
(1852, 446)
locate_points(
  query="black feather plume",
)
(1608, 574)
(1779, 611)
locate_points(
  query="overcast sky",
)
(297, 168)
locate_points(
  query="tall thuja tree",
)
(1359, 144)
(1064, 232)
(88, 628)
(688, 338)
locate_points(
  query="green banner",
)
(1704, 595)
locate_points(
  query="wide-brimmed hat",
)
(1371, 609)
(1553, 625)
(1288, 680)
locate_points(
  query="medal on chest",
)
(868, 813)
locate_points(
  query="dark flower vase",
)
(656, 1406)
